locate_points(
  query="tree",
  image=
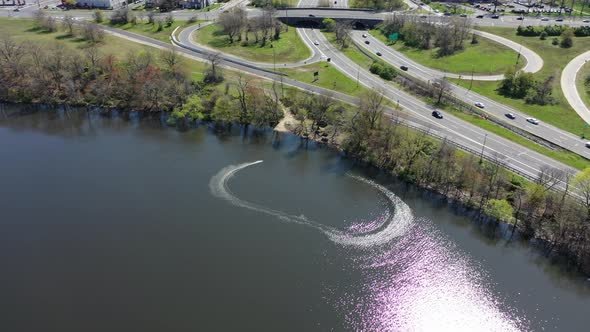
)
(542, 92)
(92, 32)
(213, 74)
(97, 16)
(499, 209)
(582, 183)
(441, 86)
(232, 22)
(68, 24)
(171, 59)
(371, 103)
(329, 24)
(567, 39)
(342, 31)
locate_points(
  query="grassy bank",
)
(484, 58)
(555, 59)
(328, 77)
(584, 89)
(289, 48)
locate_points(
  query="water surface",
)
(110, 223)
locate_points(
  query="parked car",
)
(437, 114)
(510, 116)
(364, 35)
(404, 68)
(367, 42)
(533, 121)
(378, 53)
(480, 105)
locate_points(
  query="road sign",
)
(393, 36)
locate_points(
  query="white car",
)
(533, 121)
(316, 43)
(586, 21)
(364, 35)
(545, 19)
(480, 105)
(436, 11)
(587, 144)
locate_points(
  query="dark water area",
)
(112, 223)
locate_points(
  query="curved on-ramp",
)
(568, 85)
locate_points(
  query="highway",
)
(550, 133)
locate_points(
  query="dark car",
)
(559, 19)
(311, 15)
(496, 16)
(367, 42)
(378, 53)
(510, 116)
(437, 114)
(404, 68)
(520, 18)
(463, 15)
(479, 16)
(447, 14)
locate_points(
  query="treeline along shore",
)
(158, 82)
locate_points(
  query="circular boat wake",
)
(394, 225)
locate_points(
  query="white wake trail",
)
(395, 225)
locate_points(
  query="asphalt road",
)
(568, 85)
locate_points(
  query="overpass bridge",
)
(360, 18)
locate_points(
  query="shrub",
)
(543, 35)
(98, 16)
(555, 41)
(567, 39)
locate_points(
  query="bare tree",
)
(68, 24)
(371, 103)
(92, 32)
(232, 22)
(549, 177)
(440, 87)
(213, 74)
(342, 31)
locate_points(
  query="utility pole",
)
(358, 73)
(471, 83)
(482, 148)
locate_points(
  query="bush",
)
(383, 70)
(98, 16)
(169, 20)
(543, 35)
(555, 41)
(567, 39)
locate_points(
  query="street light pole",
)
(358, 73)
(471, 83)
(482, 148)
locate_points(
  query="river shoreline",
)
(490, 226)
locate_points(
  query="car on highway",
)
(496, 16)
(520, 18)
(404, 68)
(463, 15)
(587, 144)
(510, 116)
(378, 53)
(423, 16)
(545, 19)
(447, 13)
(311, 15)
(436, 11)
(316, 43)
(364, 35)
(367, 42)
(533, 121)
(16, 10)
(479, 16)
(586, 21)
(437, 114)
(480, 105)
(559, 19)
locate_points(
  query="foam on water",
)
(395, 224)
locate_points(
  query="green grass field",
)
(289, 48)
(555, 59)
(584, 89)
(328, 78)
(484, 58)
(151, 30)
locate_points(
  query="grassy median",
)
(288, 48)
(152, 30)
(484, 58)
(582, 86)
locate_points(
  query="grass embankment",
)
(583, 88)
(555, 59)
(289, 48)
(484, 58)
(564, 156)
(328, 77)
(151, 30)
